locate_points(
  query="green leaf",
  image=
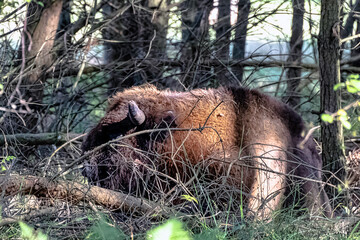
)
(341, 112)
(171, 230)
(351, 89)
(343, 118)
(9, 158)
(29, 233)
(327, 118)
(189, 198)
(339, 85)
(352, 77)
(355, 84)
(346, 124)
(102, 230)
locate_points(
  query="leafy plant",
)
(30, 233)
(352, 85)
(4, 161)
(171, 230)
(103, 230)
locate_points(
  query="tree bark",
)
(31, 139)
(223, 34)
(355, 44)
(240, 36)
(349, 24)
(42, 31)
(137, 33)
(292, 95)
(75, 192)
(35, 57)
(194, 34)
(329, 63)
(347, 30)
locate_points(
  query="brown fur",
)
(249, 137)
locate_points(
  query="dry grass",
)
(217, 213)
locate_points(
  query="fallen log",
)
(38, 138)
(76, 192)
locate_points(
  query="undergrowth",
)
(92, 225)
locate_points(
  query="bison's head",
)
(123, 148)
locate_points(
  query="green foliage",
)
(4, 161)
(327, 118)
(103, 230)
(343, 117)
(352, 85)
(30, 233)
(38, 2)
(211, 234)
(354, 233)
(189, 198)
(171, 230)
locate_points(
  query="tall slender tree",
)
(329, 52)
(240, 36)
(195, 30)
(292, 95)
(223, 34)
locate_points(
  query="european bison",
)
(250, 140)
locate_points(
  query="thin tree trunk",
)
(355, 44)
(329, 51)
(349, 24)
(121, 44)
(64, 26)
(195, 29)
(223, 34)
(240, 36)
(292, 95)
(348, 28)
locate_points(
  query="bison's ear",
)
(166, 120)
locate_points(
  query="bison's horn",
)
(137, 117)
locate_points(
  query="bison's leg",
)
(269, 185)
(316, 200)
(308, 168)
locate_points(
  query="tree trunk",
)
(329, 51)
(223, 34)
(35, 58)
(136, 33)
(43, 34)
(195, 29)
(355, 44)
(64, 26)
(349, 24)
(122, 43)
(292, 96)
(348, 29)
(240, 37)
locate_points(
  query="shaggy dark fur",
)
(248, 139)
